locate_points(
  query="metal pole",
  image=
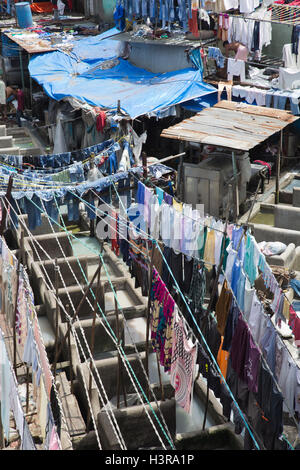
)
(70, 353)
(148, 312)
(2, 443)
(20, 257)
(27, 389)
(120, 380)
(30, 84)
(207, 399)
(93, 338)
(76, 312)
(21, 67)
(56, 269)
(160, 380)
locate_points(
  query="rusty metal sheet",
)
(227, 132)
(237, 126)
(266, 121)
(194, 136)
(229, 126)
(259, 110)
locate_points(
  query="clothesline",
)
(75, 237)
(119, 347)
(242, 236)
(259, 347)
(37, 354)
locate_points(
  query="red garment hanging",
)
(101, 121)
(193, 23)
(114, 233)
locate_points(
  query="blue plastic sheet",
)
(82, 76)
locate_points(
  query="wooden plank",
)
(31, 49)
(253, 109)
(226, 132)
(225, 124)
(194, 136)
(243, 117)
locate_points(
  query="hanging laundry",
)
(184, 354)
(216, 54)
(294, 323)
(239, 347)
(162, 310)
(101, 121)
(222, 359)
(222, 307)
(5, 371)
(209, 250)
(115, 242)
(193, 23)
(223, 26)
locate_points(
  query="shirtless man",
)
(241, 51)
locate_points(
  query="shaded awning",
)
(232, 125)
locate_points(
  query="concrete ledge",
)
(274, 234)
(296, 263)
(296, 197)
(287, 217)
(46, 245)
(286, 258)
(135, 426)
(220, 437)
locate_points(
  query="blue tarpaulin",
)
(84, 76)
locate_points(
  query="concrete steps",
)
(3, 130)
(6, 141)
(10, 150)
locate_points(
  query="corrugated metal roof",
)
(230, 124)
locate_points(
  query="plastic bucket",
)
(24, 15)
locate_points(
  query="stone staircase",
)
(18, 141)
(7, 143)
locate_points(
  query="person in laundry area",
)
(15, 93)
(241, 51)
(19, 96)
(2, 98)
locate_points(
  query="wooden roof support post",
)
(20, 260)
(235, 188)
(144, 162)
(7, 197)
(278, 169)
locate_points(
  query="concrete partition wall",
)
(46, 247)
(107, 370)
(263, 232)
(287, 217)
(43, 275)
(139, 426)
(296, 197)
(105, 331)
(44, 228)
